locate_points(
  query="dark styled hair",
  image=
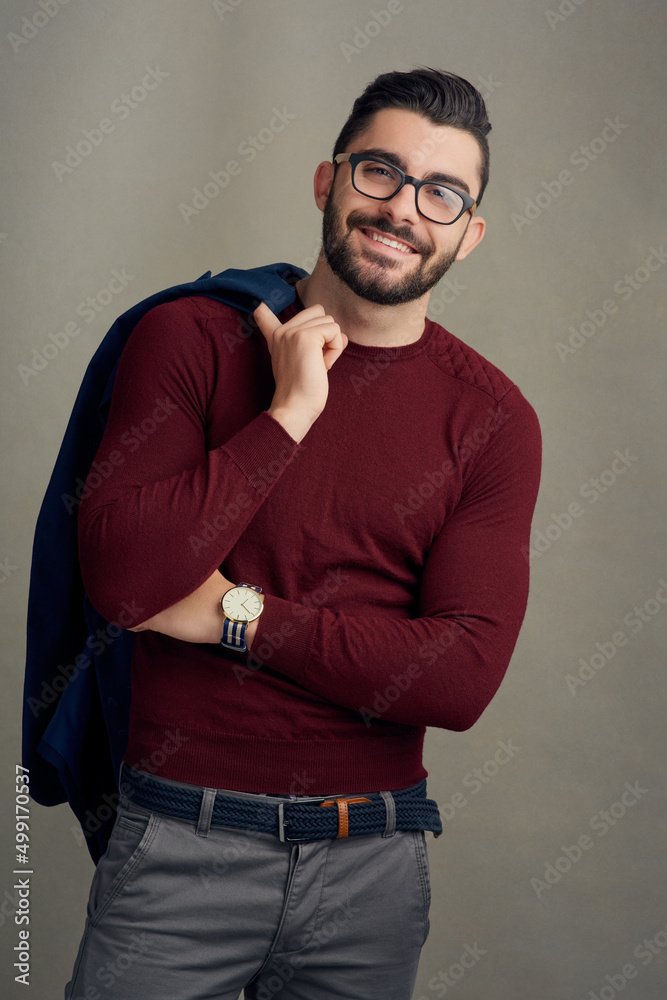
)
(443, 98)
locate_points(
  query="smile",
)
(378, 237)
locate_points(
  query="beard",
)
(370, 277)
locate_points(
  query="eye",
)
(376, 171)
(443, 195)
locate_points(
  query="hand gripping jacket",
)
(77, 681)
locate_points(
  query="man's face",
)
(374, 270)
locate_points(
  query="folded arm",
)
(443, 667)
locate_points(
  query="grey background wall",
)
(550, 874)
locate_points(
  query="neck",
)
(363, 322)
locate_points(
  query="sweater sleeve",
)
(161, 510)
(443, 667)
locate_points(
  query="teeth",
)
(391, 243)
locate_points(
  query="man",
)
(326, 534)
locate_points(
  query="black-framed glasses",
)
(375, 178)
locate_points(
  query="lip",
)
(367, 232)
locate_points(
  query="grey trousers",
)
(181, 911)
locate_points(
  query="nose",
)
(403, 206)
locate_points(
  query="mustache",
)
(402, 233)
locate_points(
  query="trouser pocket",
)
(129, 843)
(424, 876)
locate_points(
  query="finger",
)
(306, 316)
(318, 324)
(266, 320)
(332, 333)
(334, 349)
(269, 324)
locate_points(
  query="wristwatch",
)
(240, 605)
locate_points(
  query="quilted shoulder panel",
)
(462, 362)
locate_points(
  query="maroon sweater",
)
(388, 544)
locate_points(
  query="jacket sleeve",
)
(443, 667)
(160, 511)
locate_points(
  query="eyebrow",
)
(435, 176)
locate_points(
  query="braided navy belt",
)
(315, 818)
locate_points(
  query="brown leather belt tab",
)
(343, 814)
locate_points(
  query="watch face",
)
(242, 604)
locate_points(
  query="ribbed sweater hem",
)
(367, 762)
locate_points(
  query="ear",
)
(473, 236)
(324, 176)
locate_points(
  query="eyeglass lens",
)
(381, 180)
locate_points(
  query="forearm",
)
(431, 671)
(158, 542)
(197, 617)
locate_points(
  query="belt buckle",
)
(282, 836)
(323, 800)
(282, 822)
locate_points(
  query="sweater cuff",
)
(284, 637)
(262, 450)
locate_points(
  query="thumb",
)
(266, 320)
